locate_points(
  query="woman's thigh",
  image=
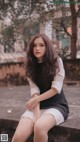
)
(24, 128)
(45, 122)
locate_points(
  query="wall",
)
(14, 73)
(72, 69)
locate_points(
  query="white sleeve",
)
(57, 83)
(33, 87)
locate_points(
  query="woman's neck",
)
(40, 61)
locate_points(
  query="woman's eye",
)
(42, 45)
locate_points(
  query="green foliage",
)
(65, 53)
(8, 37)
(21, 12)
(8, 32)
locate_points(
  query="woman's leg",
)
(24, 130)
(42, 126)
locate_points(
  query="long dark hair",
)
(50, 59)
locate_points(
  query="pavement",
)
(13, 103)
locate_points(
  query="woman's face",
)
(39, 49)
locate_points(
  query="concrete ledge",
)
(56, 134)
(8, 127)
(69, 82)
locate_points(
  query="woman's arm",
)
(57, 83)
(48, 94)
(56, 86)
(35, 108)
(34, 93)
(34, 89)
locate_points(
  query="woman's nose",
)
(37, 47)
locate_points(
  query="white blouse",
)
(57, 83)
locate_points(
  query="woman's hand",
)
(31, 104)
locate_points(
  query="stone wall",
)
(14, 73)
(72, 69)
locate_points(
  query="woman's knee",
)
(39, 129)
(17, 138)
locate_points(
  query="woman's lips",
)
(38, 52)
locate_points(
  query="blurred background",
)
(20, 20)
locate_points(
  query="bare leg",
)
(24, 130)
(42, 126)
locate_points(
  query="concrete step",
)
(57, 134)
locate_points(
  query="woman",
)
(48, 106)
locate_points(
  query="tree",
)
(74, 9)
(21, 11)
(16, 11)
